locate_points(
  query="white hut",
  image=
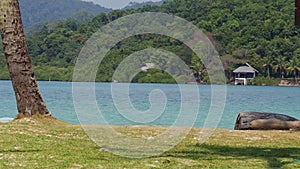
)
(148, 66)
(244, 74)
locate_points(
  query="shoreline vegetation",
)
(49, 143)
(256, 82)
(264, 81)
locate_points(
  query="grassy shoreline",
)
(40, 143)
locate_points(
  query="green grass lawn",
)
(47, 143)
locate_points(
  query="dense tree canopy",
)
(260, 32)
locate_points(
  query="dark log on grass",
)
(265, 121)
(273, 124)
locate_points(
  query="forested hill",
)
(260, 32)
(136, 5)
(36, 11)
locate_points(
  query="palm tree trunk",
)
(281, 72)
(29, 99)
(269, 74)
(295, 75)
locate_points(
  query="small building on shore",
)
(244, 74)
(148, 66)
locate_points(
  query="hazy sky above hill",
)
(116, 4)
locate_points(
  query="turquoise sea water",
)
(58, 97)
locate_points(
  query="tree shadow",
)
(18, 151)
(213, 152)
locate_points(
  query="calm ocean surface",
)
(59, 99)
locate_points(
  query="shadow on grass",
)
(19, 151)
(215, 152)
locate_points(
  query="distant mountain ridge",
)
(41, 11)
(137, 5)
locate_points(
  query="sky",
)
(116, 4)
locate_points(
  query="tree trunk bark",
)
(29, 99)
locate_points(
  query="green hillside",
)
(37, 11)
(260, 32)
